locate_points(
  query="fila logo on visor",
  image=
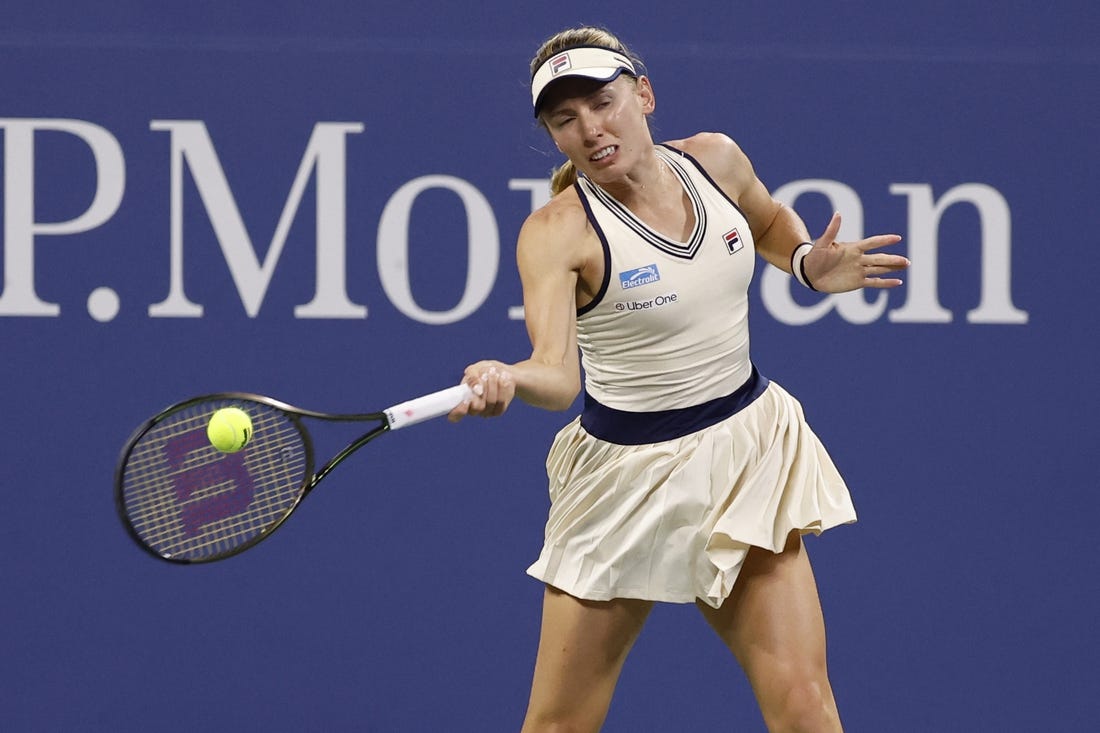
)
(559, 64)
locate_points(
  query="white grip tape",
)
(426, 407)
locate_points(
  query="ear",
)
(645, 92)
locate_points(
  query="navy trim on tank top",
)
(682, 250)
(706, 175)
(606, 253)
(638, 428)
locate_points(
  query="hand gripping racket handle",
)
(426, 407)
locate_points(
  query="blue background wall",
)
(396, 600)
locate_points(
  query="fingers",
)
(876, 265)
(879, 264)
(833, 229)
(881, 283)
(829, 235)
(463, 408)
(493, 388)
(494, 385)
(881, 240)
(459, 412)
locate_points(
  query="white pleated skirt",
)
(673, 521)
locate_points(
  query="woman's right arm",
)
(550, 254)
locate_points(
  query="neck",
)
(648, 182)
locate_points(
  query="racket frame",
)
(311, 480)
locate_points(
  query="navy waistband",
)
(639, 428)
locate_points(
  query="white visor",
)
(592, 62)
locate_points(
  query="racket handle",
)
(426, 407)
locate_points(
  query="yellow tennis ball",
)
(229, 429)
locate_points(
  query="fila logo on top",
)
(733, 241)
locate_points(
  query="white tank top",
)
(669, 327)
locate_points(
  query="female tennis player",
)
(689, 476)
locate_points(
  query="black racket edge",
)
(295, 413)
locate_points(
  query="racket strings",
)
(186, 500)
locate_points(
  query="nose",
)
(591, 126)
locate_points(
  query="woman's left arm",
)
(779, 232)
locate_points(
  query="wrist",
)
(798, 264)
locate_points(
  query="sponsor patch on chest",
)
(659, 301)
(639, 276)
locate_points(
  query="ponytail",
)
(564, 176)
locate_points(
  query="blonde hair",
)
(565, 175)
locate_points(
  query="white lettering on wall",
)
(922, 303)
(482, 246)
(775, 285)
(325, 161)
(20, 228)
(325, 157)
(922, 278)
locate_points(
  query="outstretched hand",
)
(837, 267)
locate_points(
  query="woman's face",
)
(601, 126)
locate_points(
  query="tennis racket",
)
(186, 502)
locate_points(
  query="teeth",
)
(603, 153)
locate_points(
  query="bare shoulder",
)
(715, 151)
(563, 210)
(706, 144)
(557, 233)
(722, 158)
